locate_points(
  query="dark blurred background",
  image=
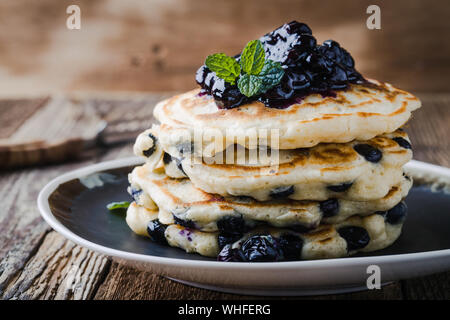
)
(157, 45)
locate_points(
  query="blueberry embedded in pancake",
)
(210, 213)
(147, 145)
(156, 230)
(356, 237)
(266, 244)
(357, 170)
(329, 208)
(361, 112)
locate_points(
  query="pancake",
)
(179, 201)
(356, 234)
(361, 112)
(318, 173)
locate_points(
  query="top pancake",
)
(360, 112)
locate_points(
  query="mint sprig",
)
(254, 73)
(249, 85)
(252, 58)
(118, 207)
(224, 66)
(271, 75)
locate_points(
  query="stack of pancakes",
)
(335, 187)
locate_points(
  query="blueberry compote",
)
(309, 68)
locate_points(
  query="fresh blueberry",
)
(228, 97)
(370, 153)
(185, 223)
(259, 248)
(340, 187)
(291, 246)
(235, 224)
(295, 27)
(201, 74)
(231, 229)
(356, 237)
(156, 230)
(167, 158)
(309, 68)
(281, 192)
(332, 50)
(227, 238)
(402, 142)
(228, 254)
(150, 150)
(397, 214)
(329, 207)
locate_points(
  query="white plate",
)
(278, 278)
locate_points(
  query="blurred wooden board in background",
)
(158, 45)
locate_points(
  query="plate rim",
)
(45, 211)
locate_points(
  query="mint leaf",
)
(224, 66)
(270, 75)
(249, 85)
(252, 58)
(118, 207)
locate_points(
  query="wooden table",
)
(38, 263)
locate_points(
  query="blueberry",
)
(297, 81)
(297, 27)
(227, 238)
(291, 246)
(338, 78)
(150, 150)
(234, 224)
(332, 50)
(309, 68)
(231, 229)
(259, 248)
(135, 193)
(229, 97)
(167, 158)
(397, 214)
(370, 153)
(282, 192)
(156, 230)
(201, 74)
(185, 223)
(329, 207)
(340, 187)
(356, 237)
(228, 254)
(402, 142)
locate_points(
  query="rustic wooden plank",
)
(436, 287)
(35, 264)
(429, 130)
(124, 282)
(16, 111)
(59, 270)
(22, 230)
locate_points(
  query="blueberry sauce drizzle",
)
(309, 68)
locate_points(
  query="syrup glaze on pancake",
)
(361, 112)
